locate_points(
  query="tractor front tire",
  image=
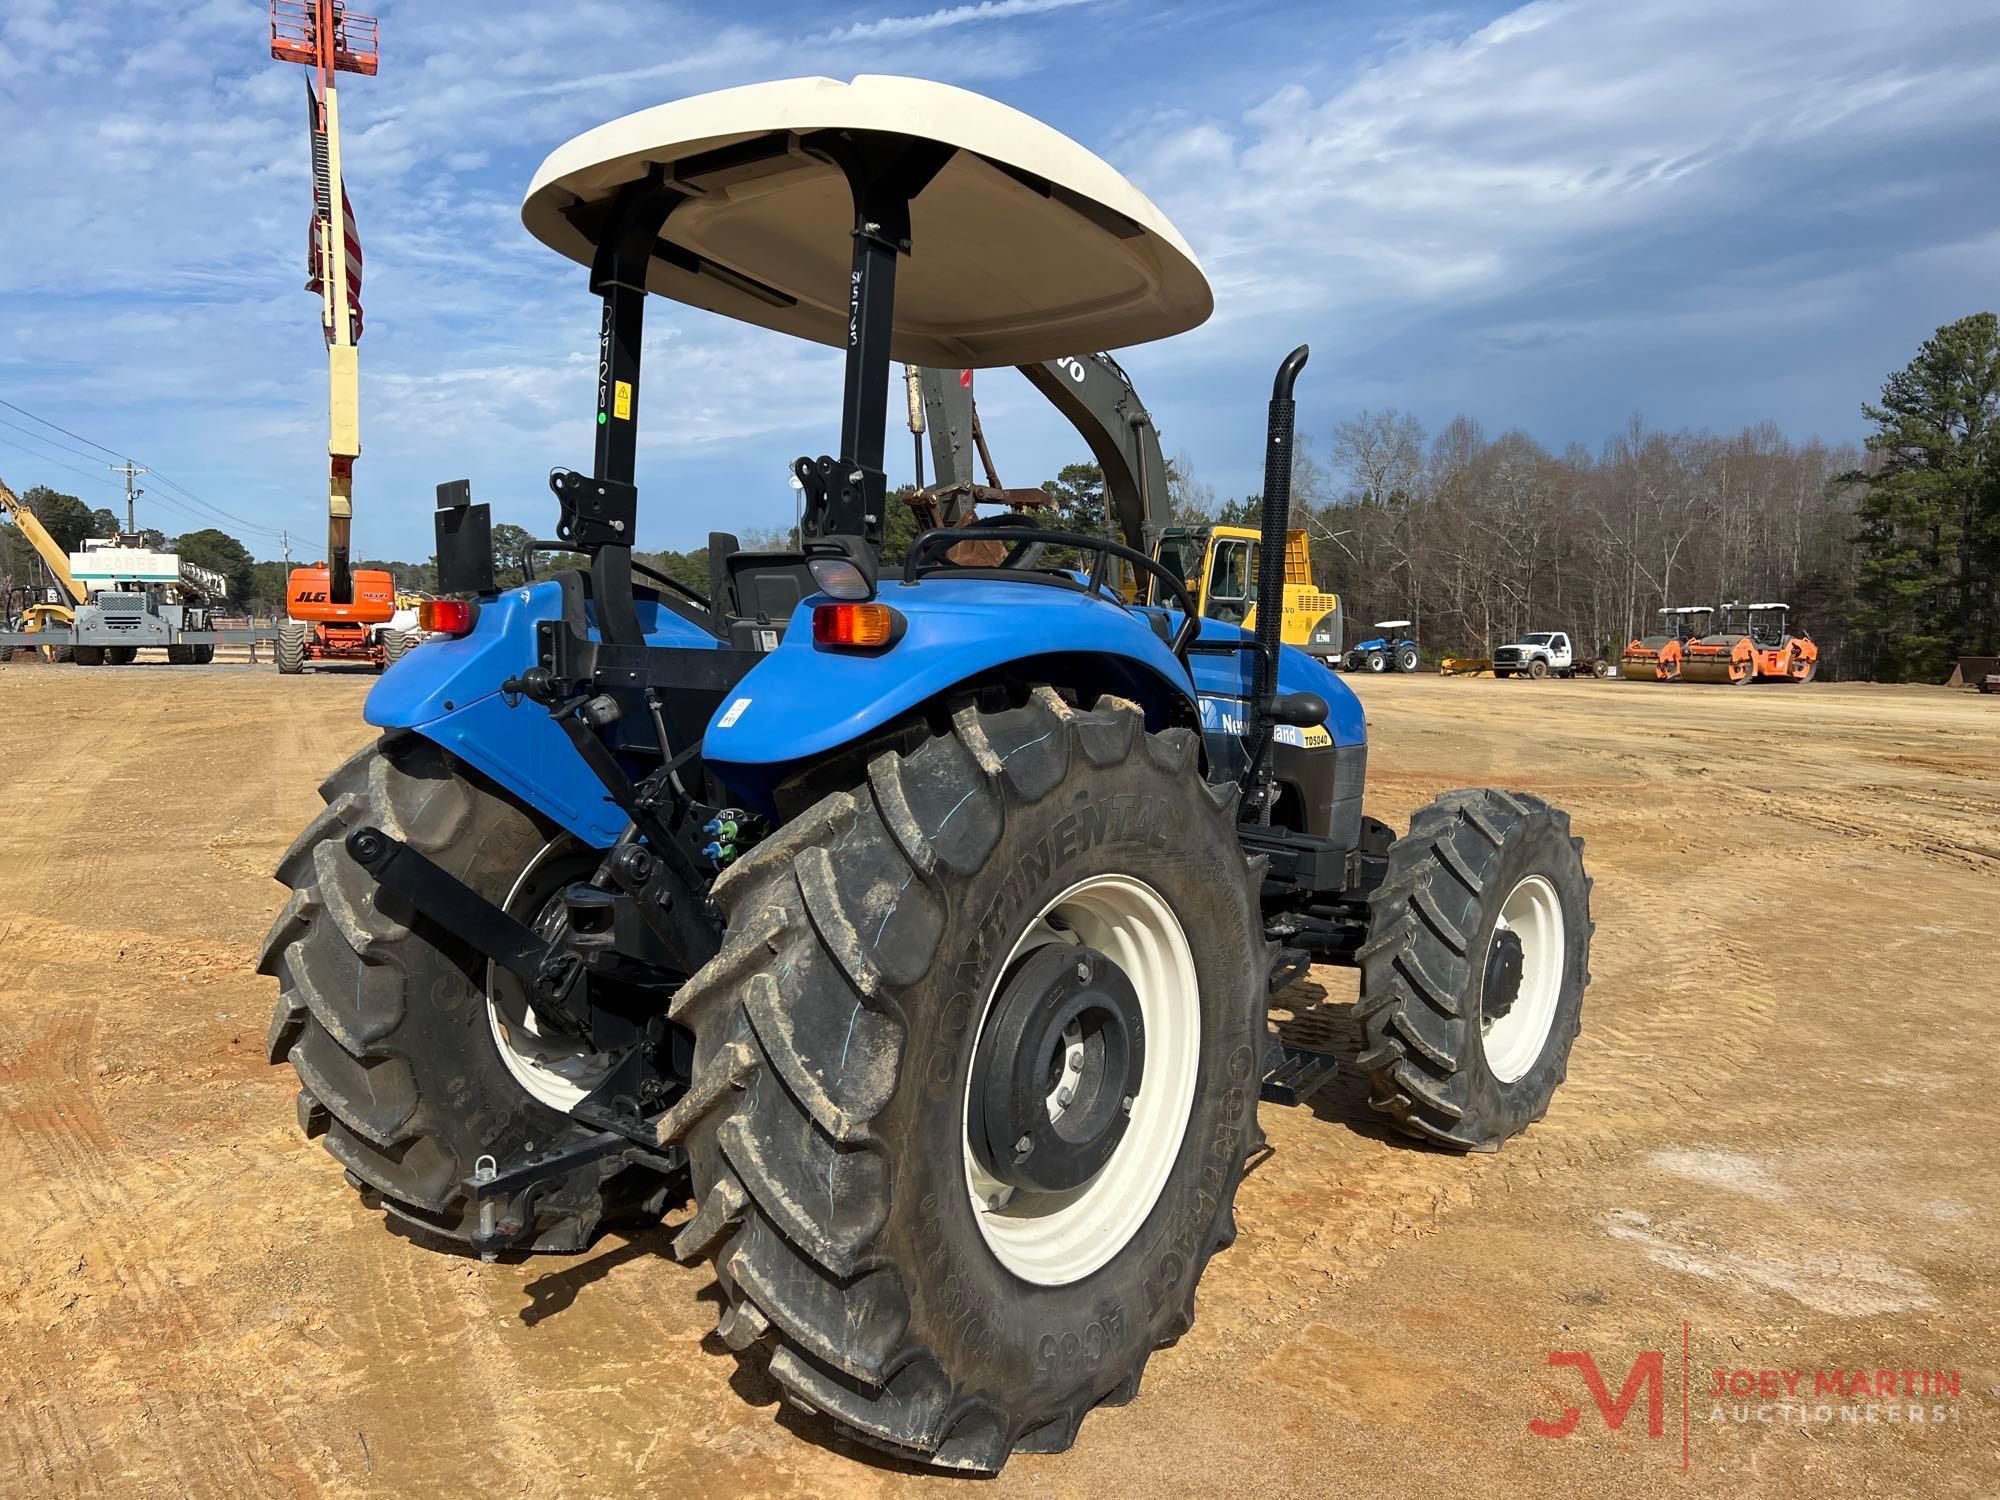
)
(1473, 975)
(396, 1049)
(1378, 661)
(852, 1019)
(291, 650)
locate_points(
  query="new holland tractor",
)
(916, 924)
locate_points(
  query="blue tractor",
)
(917, 924)
(1392, 649)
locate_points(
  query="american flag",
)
(316, 272)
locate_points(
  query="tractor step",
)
(1287, 965)
(1294, 1074)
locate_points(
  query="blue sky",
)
(1547, 215)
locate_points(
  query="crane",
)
(334, 613)
(50, 611)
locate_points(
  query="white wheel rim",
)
(1052, 1239)
(1533, 913)
(553, 1068)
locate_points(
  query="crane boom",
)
(53, 557)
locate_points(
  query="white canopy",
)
(1390, 624)
(1024, 247)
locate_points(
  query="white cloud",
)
(1465, 166)
(947, 16)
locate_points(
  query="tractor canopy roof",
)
(1391, 624)
(1767, 606)
(1023, 247)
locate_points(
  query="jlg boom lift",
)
(334, 612)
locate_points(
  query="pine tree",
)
(1930, 518)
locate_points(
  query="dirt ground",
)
(1775, 1152)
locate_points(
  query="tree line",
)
(1888, 553)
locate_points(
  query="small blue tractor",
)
(1390, 649)
(918, 925)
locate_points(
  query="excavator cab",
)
(1219, 565)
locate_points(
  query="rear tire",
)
(88, 656)
(291, 651)
(1457, 1057)
(836, 1036)
(1538, 668)
(400, 1069)
(1406, 658)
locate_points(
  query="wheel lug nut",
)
(1128, 1104)
(1023, 1146)
(1083, 970)
(1065, 1096)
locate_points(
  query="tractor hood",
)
(1024, 246)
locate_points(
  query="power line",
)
(29, 431)
(23, 448)
(63, 430)
(101, 479)
(171, 483)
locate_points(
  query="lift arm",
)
(1097, 398)
(44, 544)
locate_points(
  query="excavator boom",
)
(1097, 398)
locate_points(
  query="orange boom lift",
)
(334, 612)
(1756, 644)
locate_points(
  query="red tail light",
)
(446, 616)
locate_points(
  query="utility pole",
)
(285, 541)
(131, 471)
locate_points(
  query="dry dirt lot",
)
(1775, 1152)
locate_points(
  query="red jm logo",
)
(1648, 1373)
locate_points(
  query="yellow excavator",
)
(48, 610)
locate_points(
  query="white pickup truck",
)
(1546, 653)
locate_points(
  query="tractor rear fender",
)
(802, 703)
(449, 692)
(808, 703)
